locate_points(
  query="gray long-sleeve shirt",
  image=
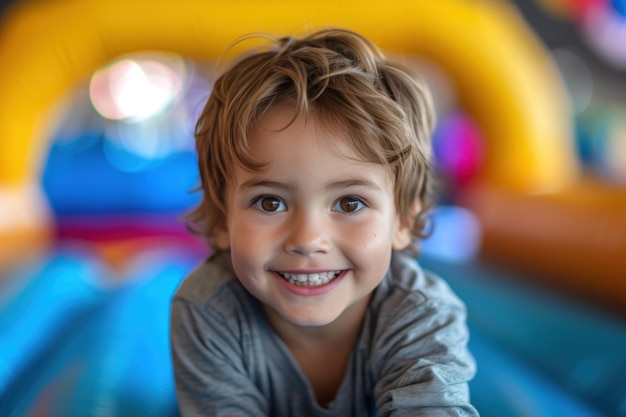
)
(410, 358)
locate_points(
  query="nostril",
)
(307, 248)
(307, 235)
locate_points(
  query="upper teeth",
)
(317, 278)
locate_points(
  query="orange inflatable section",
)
(573, 241)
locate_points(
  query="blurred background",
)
(97, 169)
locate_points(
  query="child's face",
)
(316, 216)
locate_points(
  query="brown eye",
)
(270, 204)
(349, 205)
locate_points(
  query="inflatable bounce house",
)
(86, 280)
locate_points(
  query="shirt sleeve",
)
(422, 366)
(209, 365)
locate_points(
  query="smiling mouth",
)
(309, 280)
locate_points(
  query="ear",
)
(402, 238)
(222, 237)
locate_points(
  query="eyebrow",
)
(348, 183)
(258, 183)
(355, 182)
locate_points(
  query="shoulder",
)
(416, 338)
(412, 303)
(407, 282)
(213, 282)
(212, 303)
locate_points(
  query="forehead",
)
(279, 142)
(320, 134)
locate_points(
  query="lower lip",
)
(303, 291)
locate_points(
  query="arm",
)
(423, 365)
(209, 367)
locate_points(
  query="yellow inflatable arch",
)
(502, 74)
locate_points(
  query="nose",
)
(307, 235)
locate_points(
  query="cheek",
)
(369, 251)
(243, 234)
(373, 235)
(250, 238)
(245, 252)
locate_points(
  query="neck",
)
(323, 352)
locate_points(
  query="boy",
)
(314, 161)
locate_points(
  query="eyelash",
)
(257, 203)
